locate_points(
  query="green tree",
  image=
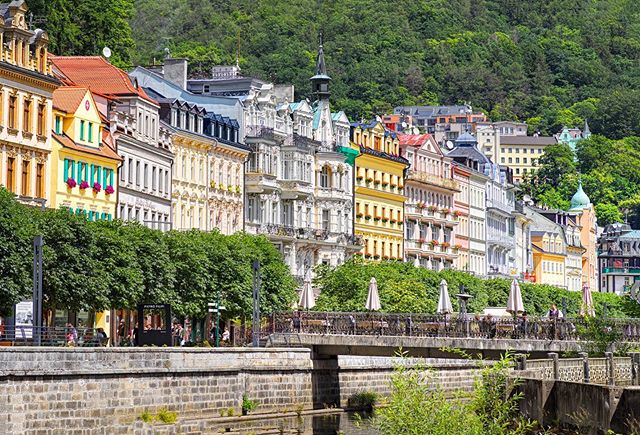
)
(607, 214)
(16, 252)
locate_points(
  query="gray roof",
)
(527, 140)
(432, 111)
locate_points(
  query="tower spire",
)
(320, 81)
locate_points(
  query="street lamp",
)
(463, 297)
(216, 308)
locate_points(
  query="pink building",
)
(429, 210)
(461, 208)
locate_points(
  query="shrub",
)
(364, 400)
(248, 405)
(167, 416)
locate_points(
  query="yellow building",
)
(26, 87)
(379, 186)
(84, 178)
(549, 254)
(521, 153)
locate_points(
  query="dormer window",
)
(58, 125)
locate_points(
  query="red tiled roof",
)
(97, 74)
(413, 139)
(103, 150)
(68, 98)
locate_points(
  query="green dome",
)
(580, 199)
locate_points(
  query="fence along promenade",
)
(421, 325)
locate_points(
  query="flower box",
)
(359, 178)
(71, 183)
(445, 245)
(445, 211)
(385, 220)
(376, 257)
(434, 243)
(109, 190)
(83, 185)
(457, 213)
(377, 218)
(376, 182)
(369, 179)
(359, 215)
(432, 208)
(385, 184)
(367, 217)
(97, 187)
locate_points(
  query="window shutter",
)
(91, 175)
(90, 215)
(73, 168)
(99, 174)
(66, 169)
(105, 177)
(109, 217)
(111, 177)
(103, 216)
(80, 165)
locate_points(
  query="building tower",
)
(320, 81)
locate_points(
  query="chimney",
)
(175, 70)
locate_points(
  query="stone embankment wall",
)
(95, 390)
(358, 374)
(105, 390)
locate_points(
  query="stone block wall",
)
(93, 390)
(373, 374)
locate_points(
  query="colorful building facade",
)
(430, 217)
(27, 86)
(379, 190)
(586, 220)
(85, 164)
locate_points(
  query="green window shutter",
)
(90, 215)
(99, 174)
(103, 216)
(90, 132)
(81, 130)
(91, 175)
(86, 172)
(80, 166)
(73, 168)
(66, 169)
(109, 217)
(105, 177)
(111, 177)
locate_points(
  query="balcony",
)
(427, 248)
(258, 182)
(379, 185)
(433, 180)
(123, 122)
(261, 132)
(499, 206)
(332, 194)
(500, 239)
(430, 214)
(296, 189)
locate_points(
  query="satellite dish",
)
(106, 52)
(449, 144)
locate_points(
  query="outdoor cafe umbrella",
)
(373, 300)
(307, 299)
(514, 303)
(586, 309)
(444, 302)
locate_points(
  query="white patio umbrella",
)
(444, 302)
(416, 261)
(586, 309)
(514, 303)
(307, 298)
(373, 300)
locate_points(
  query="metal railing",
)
(424, 325)
(51, 336)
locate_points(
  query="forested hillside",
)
(547, 62)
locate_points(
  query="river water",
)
(324, 424)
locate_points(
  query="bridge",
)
(376, 334)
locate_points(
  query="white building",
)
(500, 205)
(465, 153)
(299, 187)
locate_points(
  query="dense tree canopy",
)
(406, 288)
(551, 62)
(609, 170)
(101, 265)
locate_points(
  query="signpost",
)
(255, 328)
(37, 289)
(216, 308)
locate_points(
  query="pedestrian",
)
(296, 322)
(102, 337)
(225, 335)
(553, 312)
(72, 335)
(122, 333)
(352, 323)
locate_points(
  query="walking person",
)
(72, 335)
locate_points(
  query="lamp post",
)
(216, 308)
(255, 327)
(463, 297)
(564, 306)
(37, 289)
